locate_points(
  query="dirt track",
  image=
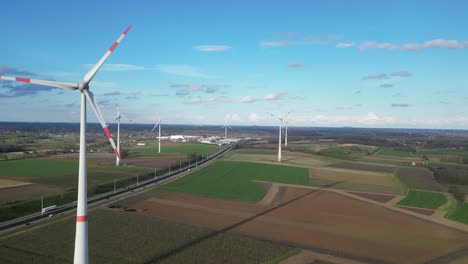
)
(322, 221)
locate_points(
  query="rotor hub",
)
(82, 86)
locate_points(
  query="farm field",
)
(364, 166)
(318, 220)
(419, 178)
(460, 214)
(386, 151)
(424, 199)
(295, 159)
(391, 160)
(354, 180)
(6, 183)
(140, 239)
(234, 180)
(177, 148)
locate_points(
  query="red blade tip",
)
(128, 29)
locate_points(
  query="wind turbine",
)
(281, 119)
(159, 137)
(286, 121)
(225, 126)
(119, 116)
(81, 235)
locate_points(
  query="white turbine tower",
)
(226, 126)
(279, 135)
(81, 235)
(286, 121)
(119, 116)
(159, 135)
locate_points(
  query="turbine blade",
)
(62, 85)
(89, 76)
(99, 116)
(128, 119)
(155, 126)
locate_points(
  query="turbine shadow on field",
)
(233, 226)
(295, 158)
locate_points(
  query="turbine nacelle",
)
(82, 86)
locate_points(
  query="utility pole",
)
(137, 179)
(169, 168)
(155, 173)
(42, 204)
(180, 165)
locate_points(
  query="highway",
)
(15, 223)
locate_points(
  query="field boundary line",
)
(445, 222)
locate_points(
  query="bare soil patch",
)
(325, 222)
(419, 178)
(364, 166)
(381, 198)
(354, 180)
(310, 257)
(404, 160)
(27, 192)
(417, 210)
(7, 183)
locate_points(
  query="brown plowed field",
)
(25, 192)
(319, 220)
(354, 180)
(364, 166)
(419, 178)
(382, 198)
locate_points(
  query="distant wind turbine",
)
(286, 121)
(119, 116)
(81, 235)
(226, 126)
(159, 137)
(279, 135)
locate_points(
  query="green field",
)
(189, 148)
(385, 151)
(460, 214)
(129, 237)
(61, 172)
(442, 151)
(36, 167)
(256, 151)
(234, 180)
(424, 199)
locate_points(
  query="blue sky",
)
(333, 63)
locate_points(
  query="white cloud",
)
(342, 120)
(245, 99)
(437, 43)
(343, 45)
(232, 118)
(118, 67)
(434, 43)
(253, 117)
(193, 101)
(274, 96)
(378, 45)
(182, 70)
(208, 48)
(275, 43)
